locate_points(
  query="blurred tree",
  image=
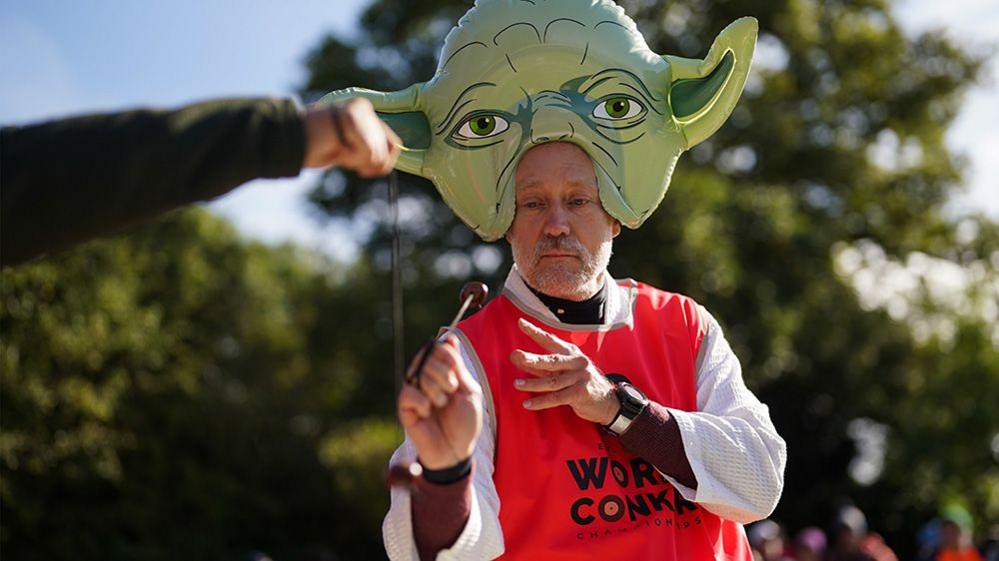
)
(180, 393)
(838, 140)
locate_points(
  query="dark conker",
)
(477, 290)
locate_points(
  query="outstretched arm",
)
(70, 180)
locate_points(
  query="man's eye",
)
(482, 126)
(579, 202)
(616, 108)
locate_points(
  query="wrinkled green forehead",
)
(540, 45)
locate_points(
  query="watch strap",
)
(630, 409)
(620, 424)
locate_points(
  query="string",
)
(397, 304)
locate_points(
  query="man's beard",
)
(564, 277)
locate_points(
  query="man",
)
(70, 180)
(846, 535)
(577, 416)
(955, 542)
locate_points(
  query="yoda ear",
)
(400, 110)
(704, 92)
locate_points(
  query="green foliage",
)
(182, 393)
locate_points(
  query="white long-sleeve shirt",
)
(734, 451)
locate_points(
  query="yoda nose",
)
(552, 124)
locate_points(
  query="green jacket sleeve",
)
(66, 181)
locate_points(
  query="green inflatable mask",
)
(517, 73)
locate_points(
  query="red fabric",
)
(567, 489)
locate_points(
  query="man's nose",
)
(556, 221)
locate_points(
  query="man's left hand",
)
(564, 377)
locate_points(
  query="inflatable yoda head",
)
(517, 73)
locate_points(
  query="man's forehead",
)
(537, 185)
(555, 164)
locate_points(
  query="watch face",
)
(633, 392)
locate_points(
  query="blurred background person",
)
(955, 543)
(767, 539)
(846, 534)
(810, 544)
(874, 545)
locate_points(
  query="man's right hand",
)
(443, 416)
(363, 143)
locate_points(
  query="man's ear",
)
(401, 111)
(704, 92)
(615, 229)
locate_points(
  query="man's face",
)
(560, 235)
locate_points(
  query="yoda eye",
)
(617, 108)
(482, 126)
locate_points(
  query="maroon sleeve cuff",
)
(655, 436)
(439, 513)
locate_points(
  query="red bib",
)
(567, 489)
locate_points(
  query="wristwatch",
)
(633, 402)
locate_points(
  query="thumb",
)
(453, 347)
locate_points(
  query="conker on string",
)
(479, 292)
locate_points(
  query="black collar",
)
(589, 311)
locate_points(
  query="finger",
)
(549, 400)
(393, 148)
(546, 340)
(439, 371)
(551, 383)
(371, 130)
(358, 153)
(446, 350)
(450, 339)
(453, 349)
(394, 141)
(379, 163)
(413, 405)
(433, 390)
(536, 363)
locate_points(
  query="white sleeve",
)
(482, 537)
(732, 446)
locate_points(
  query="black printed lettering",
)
(588, 470)
(682, 504)
(620, 475)
(636, 506)
(642, 472)
(659, 500)
(579, 518)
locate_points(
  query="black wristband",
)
(449, 475)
